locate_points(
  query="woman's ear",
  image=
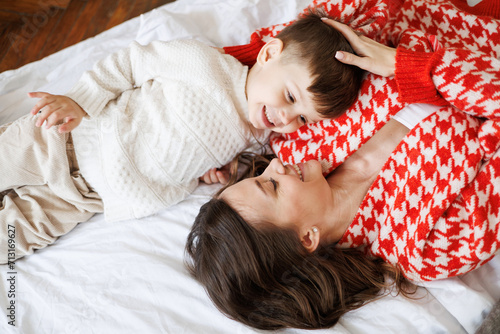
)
(271, 50)
(310, 239)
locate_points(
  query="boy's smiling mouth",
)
(266, 118)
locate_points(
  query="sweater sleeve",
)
(465, 236)
(118, 73)
(247, 53)
(465, 79)
(470, 81)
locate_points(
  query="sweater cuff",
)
(90, 100)
(246, 54)
(414, 78)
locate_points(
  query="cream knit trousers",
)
(42, 194)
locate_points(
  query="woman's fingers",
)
(357, 42)
(370, 55)
(350, 59)
(353, 37)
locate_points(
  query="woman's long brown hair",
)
(266, 279)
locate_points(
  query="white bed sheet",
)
(129, 277)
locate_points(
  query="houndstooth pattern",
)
(367, 16)
(434, 209)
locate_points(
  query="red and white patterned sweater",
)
(434, 209)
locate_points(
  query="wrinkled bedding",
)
(129, 277)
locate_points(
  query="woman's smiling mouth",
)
(299, 172)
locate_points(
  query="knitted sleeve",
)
(118, 73)
(451, 202)
(468, 80)
(467, 235)
(366, 16)
(434, 209)
(465, 79)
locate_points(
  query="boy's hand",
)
(372, 56)
(216, 176)
(57, 109)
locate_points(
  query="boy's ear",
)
(270, 50)
(310, 239)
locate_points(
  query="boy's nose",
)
(285, 117)
(277, 166)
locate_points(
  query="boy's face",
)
(277, 92)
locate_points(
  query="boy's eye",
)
(303, 119)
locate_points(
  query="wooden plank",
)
(158, 3)
(17, 45)
(100, 18)
(7, 32)
(144, 6)
(31, 6)
(140, 6)
(44, 34)
(25, 43)
(78, 31)
(7, 17)
(28, 37)
(121, 13)
(69, 20)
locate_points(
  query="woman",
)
(266, 252)
(293, 228)
(278, 266)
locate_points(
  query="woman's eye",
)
(303, 119)
(291, 99)
(275, 184)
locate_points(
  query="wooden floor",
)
(33, 29)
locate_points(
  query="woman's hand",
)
(57, 109)
(372, 56)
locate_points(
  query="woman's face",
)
(296, 197)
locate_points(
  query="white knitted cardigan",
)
(160, 116)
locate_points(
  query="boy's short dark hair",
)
(335, 85)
